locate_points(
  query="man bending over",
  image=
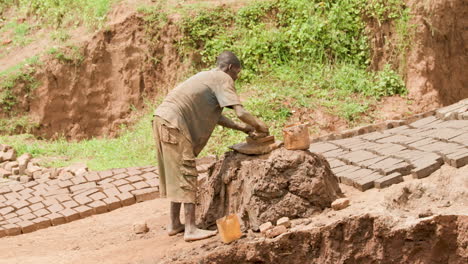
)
(182, 125)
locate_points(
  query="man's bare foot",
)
(176, 229)
(198, 234)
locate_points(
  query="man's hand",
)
(249, 119)
(226, 122)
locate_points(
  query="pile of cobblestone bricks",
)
(381, 158)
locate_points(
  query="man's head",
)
(229, 63)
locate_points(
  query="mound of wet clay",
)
(292, 183)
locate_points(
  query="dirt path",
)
(105, 238)
(108, 238)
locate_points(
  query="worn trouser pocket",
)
(169, 134)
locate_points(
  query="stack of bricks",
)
(23, 168)
(46, 201)
(382, 158)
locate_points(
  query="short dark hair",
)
(226, 58)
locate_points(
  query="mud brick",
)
(105, 174)
(423, 142)
(28, 216)
(89, 192)
(105, 181)
(41, 212)
(54, 187)
(97, 196)
(16, 187)
(375, 136)
(14, 178)
(120, 176)
(70, 214)
(55, 192)
(390, 149)
(399, 129)
(149, 175)
(386, 163)
(14, 220)
(70, 204)
(142, 185)
(393, 139)
(349, 178)
(4, 190)
(56, 219)
(402, 167)
(112, 203)
(388, 180)
(151, 169)
(458, 159)
(133, 172)
(447, 133)
(2, 231)
(454, 124)
(117, 171)
(366, 146)
(12, 229)
(24, 210)
(153, 182)
(359, 156)
(4, 173)
(10, 215)
(99, 207)
(448, 111)
(346, 169)
(110, 192)
(367, 182)
(133, 179)
(146, 194)
(50, 201)
(423, 122)
(92, 176)
(34, 199)
(120, 182)
(55, 208)
(126, 198)
(78, 180)
(126, 188)
(11, 201)
(322, 147)
(62, 197)
(27, 226)
(335, 153)
(83, 186)
(65, 184)
(442, 147)
(26, 191)
(36, 206)
(20, 204)
(462, 139)
(6, 210)
(85, 211)
(424, 167)
(66, 175)
(82, 200)
(42, 222)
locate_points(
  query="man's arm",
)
(226, 122)
(249, 119)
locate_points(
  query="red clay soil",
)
(435, 63)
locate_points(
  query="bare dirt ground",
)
(109, 238)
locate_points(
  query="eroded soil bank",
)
(360, 239)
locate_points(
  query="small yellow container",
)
(229, 228)
(296, 136)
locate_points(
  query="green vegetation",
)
(69, 54)
(134, 147)
(64, 12)
(20, 75)
(298, 56)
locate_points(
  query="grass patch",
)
(21, 73)
(135, 147)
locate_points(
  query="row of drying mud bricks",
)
(456, 111)
(48, 202)
(380, 159)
